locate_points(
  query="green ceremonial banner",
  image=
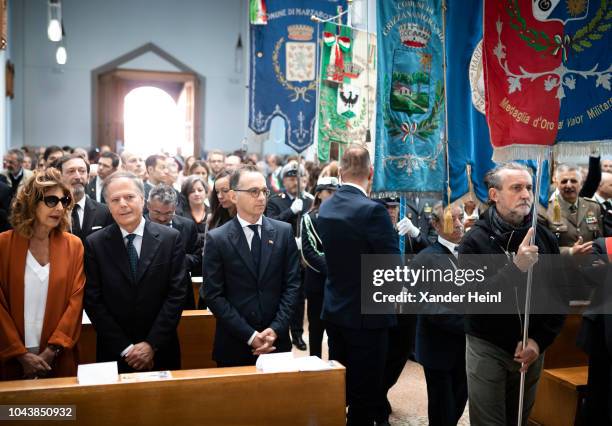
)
(347, 90)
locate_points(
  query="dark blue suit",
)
(244, 300)
(148, 308)
(440, 349)
(595, 338)
(351, 225)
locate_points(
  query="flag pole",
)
(534, 222)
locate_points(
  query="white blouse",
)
(35, 300)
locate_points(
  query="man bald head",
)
(605, 186)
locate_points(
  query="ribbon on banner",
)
(283, 71)
(347, 93)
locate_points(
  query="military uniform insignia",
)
(590, 218)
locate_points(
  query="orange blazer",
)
(64, 308)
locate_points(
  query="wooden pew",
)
(196, 335)
(563, 382)
(563, 352)
(196, 282)
(220, 396)
(559, 395)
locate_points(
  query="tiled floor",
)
(408, 397)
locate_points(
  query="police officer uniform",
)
(279, 208)
(419, 212)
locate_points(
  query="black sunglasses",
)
(52, 200)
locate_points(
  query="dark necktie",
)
(256, 246)
(132, 254)
(573, 208)
(76, 224)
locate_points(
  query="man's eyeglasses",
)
(52, 200)
(254, 192)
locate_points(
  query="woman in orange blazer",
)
(41, 283)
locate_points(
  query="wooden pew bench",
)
(563, 382)
(196, 335)
(559, 396)
(220, 396)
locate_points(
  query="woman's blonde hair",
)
(23, 210)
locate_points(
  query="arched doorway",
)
(154, 122)
(111, 84)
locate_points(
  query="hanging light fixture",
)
(54, 28)
(61, 54)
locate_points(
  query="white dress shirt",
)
(354, 185)
(452, 247)
(139, 231)
(81, 210)
(248, 233)
(36, 282)
(98, 189)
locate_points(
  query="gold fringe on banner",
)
(448, 220)
(556, 210)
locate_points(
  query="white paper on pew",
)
(146, 376)
(99, 373)
(85, 319)
(311, 363)
(276, 363)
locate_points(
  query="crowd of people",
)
(121, 237)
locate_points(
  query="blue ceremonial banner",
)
(468, 134)
(409, 154)
(284, 67)
(583, 83)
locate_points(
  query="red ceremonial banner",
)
(522, 113)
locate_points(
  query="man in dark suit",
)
(251, 276)
(135, 283)
(595, 337)
(108, 163)
(440, 339)
(14, 173)
(157, 170)
(352, 225)
(88, 216)
(603, 196)
(162, 207)
(288, 207)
